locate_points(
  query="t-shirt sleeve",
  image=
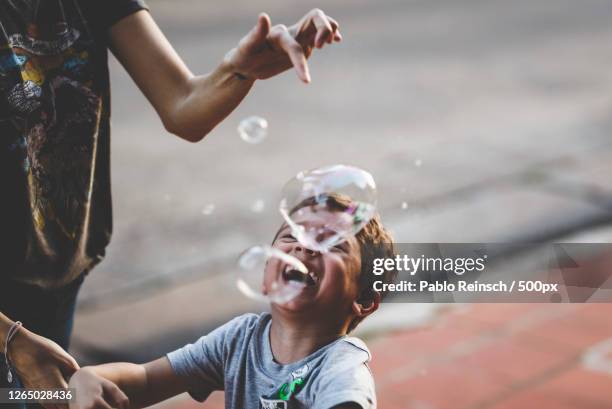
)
(355, 385)
(115, 10)
(102, 15)
(201, 364)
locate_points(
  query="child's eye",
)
(339, 247)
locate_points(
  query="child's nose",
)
(307, 251)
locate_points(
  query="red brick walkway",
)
(497, 356)
(502, 356)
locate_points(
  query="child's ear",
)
(364, 307)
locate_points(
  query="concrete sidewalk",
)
(492, 356)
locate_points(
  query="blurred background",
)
(481, 121)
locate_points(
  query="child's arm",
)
(191, 105)
(125, 385)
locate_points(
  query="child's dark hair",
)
(374, 242)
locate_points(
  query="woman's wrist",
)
(5, 326)
(7, 353)
(228, 66)
(18, 344)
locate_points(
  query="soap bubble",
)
(325, 206)
(268, 274)
(418, 163)
(208, 209)
(404, 205)
(258, 206)
(253, 129)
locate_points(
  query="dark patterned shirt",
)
(55, 202)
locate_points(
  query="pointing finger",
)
(282, 39)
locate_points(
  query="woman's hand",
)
(269, 50)
(40, 362)
(95, 392)
(190, 106)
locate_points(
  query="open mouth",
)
(290, 274)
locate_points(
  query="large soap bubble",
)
(325, 206)
(253, 129)
(268, 274)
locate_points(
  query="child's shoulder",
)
(353, 346)
(344, 375)
(248, 318)
(237, 332)
(246, 322)
(357, 345)
(347, 354)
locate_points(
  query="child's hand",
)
(267, 51)
(95, 392)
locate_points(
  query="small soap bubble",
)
(404, 205)
(253, 129)
(418, 163)
(258, 206)
(267, 274)
(325, 206)
(167, 197)
(208, 209)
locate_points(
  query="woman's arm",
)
(39, 362)
(125, 385)
(5, 326)
(189, 105)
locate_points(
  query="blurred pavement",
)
(490, 120)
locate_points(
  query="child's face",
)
(333, 283)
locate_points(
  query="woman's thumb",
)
(263, 26)
(257, 36)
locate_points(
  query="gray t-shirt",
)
(237, 358)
